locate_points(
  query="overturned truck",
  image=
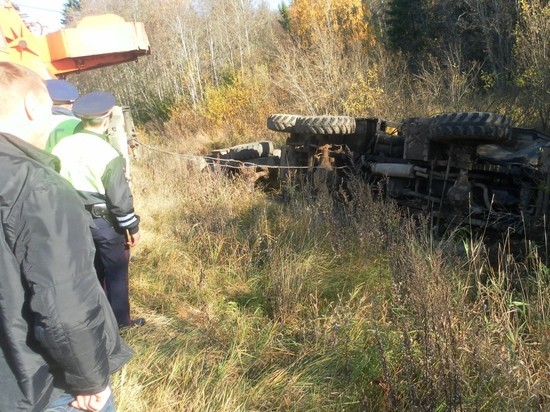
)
(470, 168)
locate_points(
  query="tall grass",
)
(318, 303)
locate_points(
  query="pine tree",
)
(285, 16)
(70, 10)
(408, 26)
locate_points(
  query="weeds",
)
(322, 304)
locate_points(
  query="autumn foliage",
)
(232, 62)
(312, 20)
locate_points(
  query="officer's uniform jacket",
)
(64, 123)
(55, 320)
(97, 171)
(60, 114)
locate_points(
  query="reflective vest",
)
(96, 171)
(64, 123)
(84, 159)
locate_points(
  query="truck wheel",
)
(325, 125)
(478, 127)
(282, 122)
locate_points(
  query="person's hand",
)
(132, 240)
(92, 403)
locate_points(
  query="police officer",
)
(63, 95)
(65, 123)
(96, 170)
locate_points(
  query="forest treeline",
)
(227, 64)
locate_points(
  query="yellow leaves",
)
(239, 103)
(223, 103)
(362, 96)
(531, 50)
(312, 20)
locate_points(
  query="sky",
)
(48, 12)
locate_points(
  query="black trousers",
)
(111, 264)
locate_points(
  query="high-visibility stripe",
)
(128, 220)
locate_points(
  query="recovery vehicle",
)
(95, 41)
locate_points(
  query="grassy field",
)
(313, 304)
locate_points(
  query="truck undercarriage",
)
(468, 168)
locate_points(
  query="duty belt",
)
(98, 210)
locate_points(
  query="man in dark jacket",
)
(58, 335)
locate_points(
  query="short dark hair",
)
(93, 122)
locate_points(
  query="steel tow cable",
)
(225, 162)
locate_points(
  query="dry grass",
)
(317, 304)
(312, 303)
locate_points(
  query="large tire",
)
(472, 127)
(245, 151)
(325, 125)
(282, 122)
